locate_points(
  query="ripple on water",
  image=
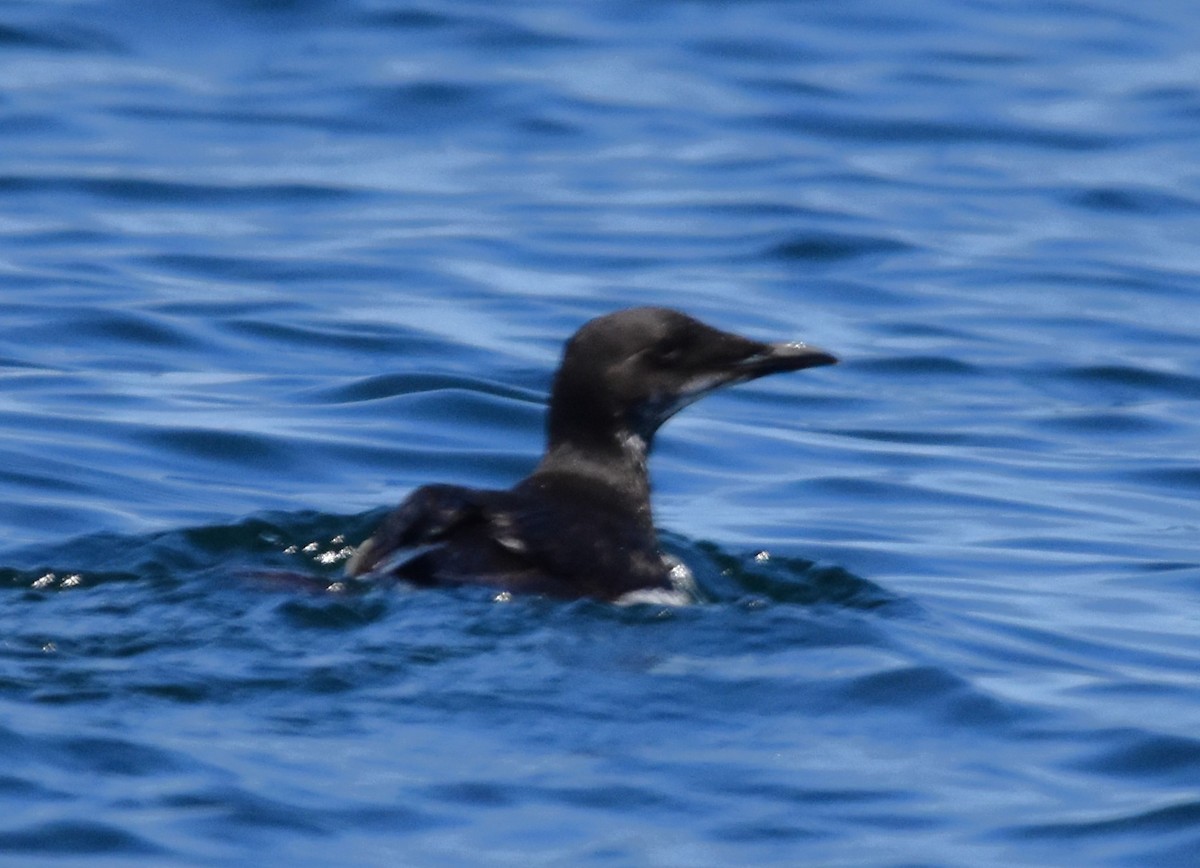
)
(1176, 477)
(228, 448)
(60, 37)
(917, 366)
(868, 129)
(79, 838)
(1144, 754)
(1124, 833)
(724, 577)
(1127, 382)
(384, 386)
(829, 247)
(175, 192)
(1134, 200)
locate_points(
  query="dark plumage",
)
(580, 525)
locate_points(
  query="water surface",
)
(267, 266)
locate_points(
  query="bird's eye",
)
(667, 353)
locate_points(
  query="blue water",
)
(266, 266)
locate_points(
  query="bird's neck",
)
(613, 462)
(591, 436)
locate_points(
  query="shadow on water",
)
(305, 552)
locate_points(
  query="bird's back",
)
(555, 536)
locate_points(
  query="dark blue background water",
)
(265, 266)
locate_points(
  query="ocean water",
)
(266, 266)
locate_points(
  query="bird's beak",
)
(777, 358)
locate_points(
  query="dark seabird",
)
(580, 525)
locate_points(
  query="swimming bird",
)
(580, 525)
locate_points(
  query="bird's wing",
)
(427, 516)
